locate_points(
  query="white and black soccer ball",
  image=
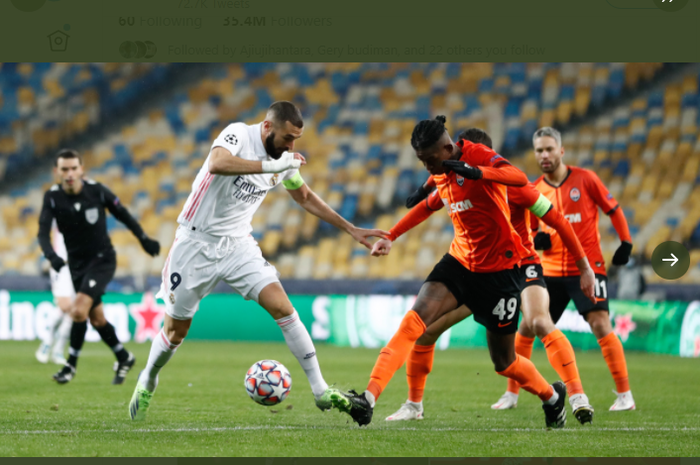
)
(268, 382)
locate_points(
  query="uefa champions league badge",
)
(575, 194)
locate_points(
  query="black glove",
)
(622, 254)
(57, 263)
(461, 168)
(151, 247)
(543, 241)
(418, 195)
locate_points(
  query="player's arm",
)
(604, 199)
(115, 207)
(44, 236)
(487, 165)
(223, 162)
(550, 216)
(421, 193)
(413, 218)
(312, 203)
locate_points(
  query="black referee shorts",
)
(93, 276)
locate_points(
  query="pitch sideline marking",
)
(255, 428)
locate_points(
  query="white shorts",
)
(197, 262)
(61, 283)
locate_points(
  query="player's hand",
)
(286, 162)
(622, 254)
(463, 169)
(542, 241)
(57, 263)
(381, 247)
(588, 284)
(361, 235)
(152, 247)
(418, 195)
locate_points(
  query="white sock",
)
(54, 322)
(553, 400)
(299, 342)
(418, 405)
(161, 352)
(370, 398)
(62, 335)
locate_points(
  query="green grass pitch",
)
(201, 408)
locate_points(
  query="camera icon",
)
(58, 41)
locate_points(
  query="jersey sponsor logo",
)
(460, 180)
(77, 206)
(461, 206)
(575, 194)
(247, 192)
(573, 217)
(91, 215)
(231, 139)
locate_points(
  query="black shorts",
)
(92, 277)
(532, 275)
(493, 298)
(563, 289)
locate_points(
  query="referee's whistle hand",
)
(152, 247)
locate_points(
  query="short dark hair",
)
(476, 135)
(68, 153)
(428, 132)
(282, 111)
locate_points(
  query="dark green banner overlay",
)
(350, 321)
(316, 31)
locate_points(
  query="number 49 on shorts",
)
(501, 307)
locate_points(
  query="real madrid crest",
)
(172, 298)
(575, 194)
(460, 180)
(274, 179)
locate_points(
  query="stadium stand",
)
(359, 118)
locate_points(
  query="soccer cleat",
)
(408, 411)
(122, 368)
(324, 402)
(583, 411)
(624, 401)
(507, 401)
(354, 404)
(140, 401)
(555, 415)
(58, 359)
(42, 353)
(66, 374)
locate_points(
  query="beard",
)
(552, 167)
(270, 148)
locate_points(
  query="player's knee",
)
(427, 339)
(98, 321)
(541, 326)
(501, 363)
(600, 323)
(177, 335)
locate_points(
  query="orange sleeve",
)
(534, 221)
(430, 182)
(415, 216)
(620, 224)
(504, 173)
(555, 220)
(600, 194)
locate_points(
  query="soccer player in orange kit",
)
(480, 271)
(578, 193)
(522, 201)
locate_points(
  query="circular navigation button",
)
(670, 260)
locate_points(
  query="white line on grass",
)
(255, 428)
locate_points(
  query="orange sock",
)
(394, 355)
(523, 347)
(561, 357)
(418, 367)
(614, 356)
(524, 372)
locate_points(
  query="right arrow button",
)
(670, 260)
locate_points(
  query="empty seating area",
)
(358, 122)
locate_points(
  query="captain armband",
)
(294, 183)
(541, 207)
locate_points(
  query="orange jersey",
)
(577, 198)
(485, 240)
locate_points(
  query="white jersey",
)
(224, 205)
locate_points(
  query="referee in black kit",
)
(78, 205)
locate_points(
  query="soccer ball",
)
(268, 382)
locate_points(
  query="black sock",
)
(109, 336)
(77, 338)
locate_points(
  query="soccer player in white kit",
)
(213, 242)
(54, 344)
